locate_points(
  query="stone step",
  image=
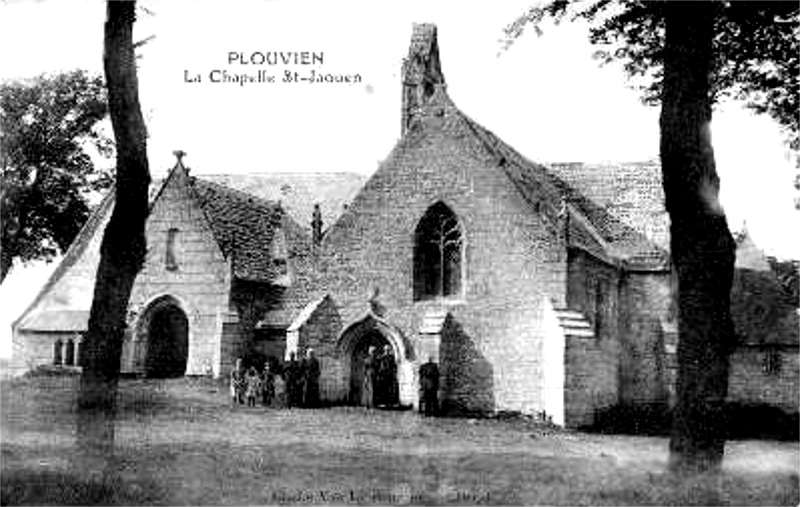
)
(564, 313)
(574, 323)
(579, 333)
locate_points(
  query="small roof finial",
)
(179, 154)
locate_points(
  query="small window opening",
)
(57, 357)
(171, 259)
(69, 354)
(773, 362)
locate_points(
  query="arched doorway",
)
(372, 340)
(353, 346)
(167, 331)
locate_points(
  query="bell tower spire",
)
(422, 73)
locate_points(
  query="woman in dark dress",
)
(311, 380)
(390, 397)
(367, 385)
(267, 385)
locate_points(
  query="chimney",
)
(422, 72)
(316, 226)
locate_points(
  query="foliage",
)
(756, 48)
(46, 125)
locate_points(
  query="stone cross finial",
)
(179, 154)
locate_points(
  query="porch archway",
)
(353, 346)
(164, 334)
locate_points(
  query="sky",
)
(546, 96)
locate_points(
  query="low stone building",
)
(765, 368)
(217, 259)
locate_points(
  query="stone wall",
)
(510, 261)
(319, 332)
(750, 382)
(593, 290)
(232, 346)
(593, 367)
(200, 280)
(38, 349)
(646, 305)
(591, 380)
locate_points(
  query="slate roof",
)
(243, 226)
(426, 104)
(611, 236)
(76, 249)
(279, 317)
(57, 321)
(632, 192)
(298, 192)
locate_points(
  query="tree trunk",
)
(703, 251)
(123, 247)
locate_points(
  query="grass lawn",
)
(178, 442)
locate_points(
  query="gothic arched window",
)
(437, 254)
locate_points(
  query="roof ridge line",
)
(248, 195)
(572, 195)
(282, 173)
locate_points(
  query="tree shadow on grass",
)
(32, 487)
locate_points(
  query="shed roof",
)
(61, 321)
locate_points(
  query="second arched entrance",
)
(166, 334)
(373, 371)
(376, 363)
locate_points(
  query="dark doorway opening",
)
(168, 342)
(372, 339)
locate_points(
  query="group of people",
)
(297, 385)
(379, 387)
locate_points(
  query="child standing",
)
(253, 387)
(280, 391)
(237, 383)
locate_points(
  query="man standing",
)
(429, 387)
(237, 383)
(379, 384)
(310, 380)
(294, 382)
(390, 387)
(368, 381)
(267, 385)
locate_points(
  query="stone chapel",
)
(531, 294)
